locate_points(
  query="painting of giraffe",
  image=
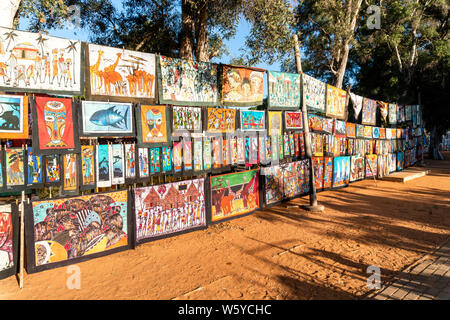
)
(121, 73)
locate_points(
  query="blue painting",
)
(11, 114)
(34, 168)
(103, 166)
(252, 120)
(376, 133)
(341, 171)
(107, 119)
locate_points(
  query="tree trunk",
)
(187, 30)
(8, 8)
(201, 35)
(342, 67)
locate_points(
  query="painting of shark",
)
(106, 119)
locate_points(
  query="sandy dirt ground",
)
(278, 253)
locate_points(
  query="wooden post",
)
(313, 206)
(22, 240)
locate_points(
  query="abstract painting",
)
(107, 119)
(314, 93)
(336, 102)
(103, 167)
(186, 119)
(15, 169)
(315, 123)
(66, 230)
(169, 209)
(293, 120)
(369, 112)
(252, 120)
(357, 168)
(115, 72)
(221, 120)
(183, 82)
(87, 169)
(35, 62)
(371, 165)
(35, 172)
(70, 182)
(117, 164)
(284, 90)
(9, 239)
(234, 194)
(153, 127)
(341, 171)
(242, 86)
(13, 116)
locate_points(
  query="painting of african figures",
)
(121, 73)
(69, 228)
(234, 194)
(34, 62)
(166, 209)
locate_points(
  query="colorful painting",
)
(169, 209)
(187, 154)
(408, 113)
(371, 165)
(382, 133)
(153, 127)
(15, 168)
(103, 165)
(226, 156)
(66, 229)
(315, 123)
(375, 133)
(350, 129)
(130, 161)
(8, 241)
(35, 62)
(400, 161)
(296, 178)
(242, 86)
(70, 173)
(115, 72)
(221, 120)
(383, 166)
(284, 90)
(252, 120)
(197, 154)
(401, 114)
(13, 116)
(52, 170)
(54, 130)
(393, 113)
(207, 158)
(318, 165)
(357, 171)
(314, 93)
(155, 160)
(293, 120)
(273, 184)
(317, 144)
(384, 110)
(143, 163)
(360, 131)
(217, 146)
(166, 159)
(392, 162)
(187, 118)
(328, 172)
(106, 119)
(336, 102)
(234, 194)
(369, 112)
(357, 102)
(117, 164)
(35, 172)
(234, 150)
(341, 171)
(177, 152)
(87, 167)
(275, 122)
(368, 132)
(340, 129)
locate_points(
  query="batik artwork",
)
(15, 168)
(339, 128)
(234, 194)
(273, 184)
(393, 113)
(35, 172)
(318, 165)
(371, 165)
(115, 72)
(87, 167)
(242, 86)
(155, 160)
(293, 120)
(117, 164)
(221, 120)
(13, 116)
(63, 230)
(375, 133)
(315, 123)
(350, 129)
(168, 209)
(183, 82)
(52, 170)
(336, 102)
(284, 90)
(153, 126)
(314, 93)
(166, 159)
(369, 112)
(187, 119)
(103, 165)
(130, 161)
(70, 173)
(252, 120)
(275, 122)
(8, 241)
(357, 171)
(328, 172)
(341, 171)
(35, 62)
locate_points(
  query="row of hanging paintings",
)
(38, 63)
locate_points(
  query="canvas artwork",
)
(368, 132)
(401, 114)
(273, 184)
(52, 170)
(383, 168)
(198, 154)
(350, 129)
(292, 179)
(292, 144)
(117, 164)
(35, 62)
(371, 165)
(106, 119)
(318, 164)
(399, 133)
(241, 149)
(153, 127)
(357, 102)
(177, 156)
(187, 154)
(284, 90)
(375, 133)
(247, 151)
(234, 194)
(336, 102)
(166, 159)
(130, 161)
(226, 156)
(382, 133)
(87, 167)
(183, 82)
(400, 161)
(66, 229)
(369, 112)
(13, 116)
(207, 158)
(392, 162)
(384, 110)
(252, 120)
(341, 171)
(8, 241)
(328, 172)
(242, 86)
(317, 144)
(286, 145)
(234, 150)
(357, 171)
(187, 118)
(388, 133)
(143, 158)
(70, 174)
(314, 93)
(15, 168)
(274, 149)
(360, 131)
(408, 113)
(275, 122)
(262, 149)
(315, 123)
(392, 113)
(221, 120)
(115, 72)
(340, 128)
(103, 169)
(34, 172)
(293, 120)
(54, 128)
(168, 209)
(280, 147)
(155, 160)
(327, 125)
(217, 146)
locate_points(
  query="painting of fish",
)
(106, 119)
